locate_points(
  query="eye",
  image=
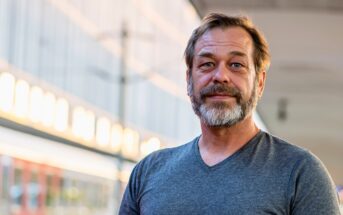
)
(207, 65)
(236, 65)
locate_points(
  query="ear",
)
(261, 82)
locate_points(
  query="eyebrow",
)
(238, 53)
(206, 54)
(210, 55)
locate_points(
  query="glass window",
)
(94, 198)
(33, 190)
(74, 193)
(105, 194)
(56, 183)
(4, 182)
(49, 191)
(5, 164)
(63, 191)
(70, 192)
(16, 190)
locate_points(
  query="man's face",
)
(222, 84)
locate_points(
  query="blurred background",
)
(88, 88)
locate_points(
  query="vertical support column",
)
(122, 100)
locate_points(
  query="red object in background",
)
(29, 187)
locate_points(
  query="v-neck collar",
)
(201, 162)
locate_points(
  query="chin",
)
(221, 117)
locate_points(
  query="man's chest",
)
(195, 193)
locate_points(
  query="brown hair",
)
(217, 20)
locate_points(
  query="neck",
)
(217, 143)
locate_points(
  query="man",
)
(233, 167)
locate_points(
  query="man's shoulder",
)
(310, 187)
(289, 151)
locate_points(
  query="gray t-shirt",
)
(265, 176)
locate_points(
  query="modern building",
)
(87, 88)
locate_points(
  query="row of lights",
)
(33, 106)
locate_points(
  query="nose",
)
(221, 74)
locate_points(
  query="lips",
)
(220, 96)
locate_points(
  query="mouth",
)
(220, 96)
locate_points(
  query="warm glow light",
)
(103, 127)
(89, 122)
(130, 143)
(83, 123)
(149, 146)
(61, 114)
(7, 82)
(36, 103)
(77, 121)
(48, 111)
(116, 137)
(21, 99)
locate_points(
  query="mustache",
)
(222, 89)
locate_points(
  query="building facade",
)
(87, 87)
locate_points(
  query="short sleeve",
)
(129, 204)
(311, 188)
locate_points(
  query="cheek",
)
(245, 86)
(200, 82)
(252, 86)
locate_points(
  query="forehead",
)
(227, 40)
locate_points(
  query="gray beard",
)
(221, 114)
(220, 117)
